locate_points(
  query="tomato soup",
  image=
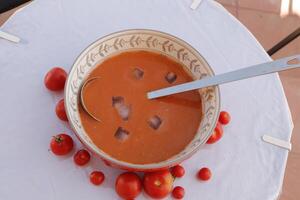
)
(133, 128)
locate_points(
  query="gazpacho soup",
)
(133, 128)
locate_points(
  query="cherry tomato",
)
(204, 174)
(97, 177)
(177, 171)
(128, 185)
(82, 157)
(178, 192)
(60, 110)
(55, 79)
(224, 117)
(217, 134)
(61, 144)
(158, 184)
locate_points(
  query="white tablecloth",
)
(54, 32)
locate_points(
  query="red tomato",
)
(158, 184)
(55, 79)
(217, 134)
(224, 117)
(61, 144)
(204, 174)
(128, 185)
(178, 192)
(82, 157)
(177, 171)
(60, 110)
(97, 177)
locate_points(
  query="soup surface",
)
(133, 128)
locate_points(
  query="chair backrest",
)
(6, 5)
(285, 41)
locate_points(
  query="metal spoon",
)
(82, 100)
(252, 71)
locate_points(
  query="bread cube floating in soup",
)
(171, 77)
(121, 134)
(138, 73)
(155, 122)
(123, 110)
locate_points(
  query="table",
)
(55, 32)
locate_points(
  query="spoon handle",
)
(248, 72)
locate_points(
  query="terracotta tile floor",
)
(270, 21)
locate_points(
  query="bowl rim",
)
(150, 166)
